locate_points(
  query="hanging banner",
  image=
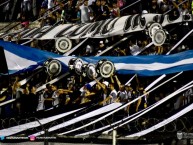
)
(27, 59)
(100, 29)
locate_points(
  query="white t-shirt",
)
(84, 14)
(90, 2)
(122, 95)
(56, 99)
(113, 94)
(50, 4)
(134, 49)
(89, 49)
(188, 94)
(129, 96)
(41, 102)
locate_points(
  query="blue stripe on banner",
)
(27, 52)
(144, 59)
(142, 65)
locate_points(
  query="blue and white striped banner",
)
(22, 58)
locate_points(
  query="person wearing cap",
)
(86, 93)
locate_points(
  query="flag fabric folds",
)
(22, 58)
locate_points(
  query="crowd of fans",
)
(106, 91)
(76, 90)
(84, 11)
(56, 12)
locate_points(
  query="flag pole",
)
(130, 5)
(175, 46)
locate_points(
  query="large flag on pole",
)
(22, 58)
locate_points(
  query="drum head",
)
(159, 37)
(154, 27)
(54, 68)
(63, 44)
(106, 69)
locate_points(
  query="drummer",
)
(104, 85)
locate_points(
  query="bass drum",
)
(91, 71)
(152, 27)
(75, 65)
(53, 67)
(105, 68)
(63, 45)
(159, 37)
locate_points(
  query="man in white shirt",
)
(56, 94)
(90, 2)
(134, 49)
(85, 18)
(50, 4)
(112, 96)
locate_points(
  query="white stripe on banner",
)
(15, 62)
(83, 117)
(20, 128)
(163, 123)
(27, 59)
(153, 66)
